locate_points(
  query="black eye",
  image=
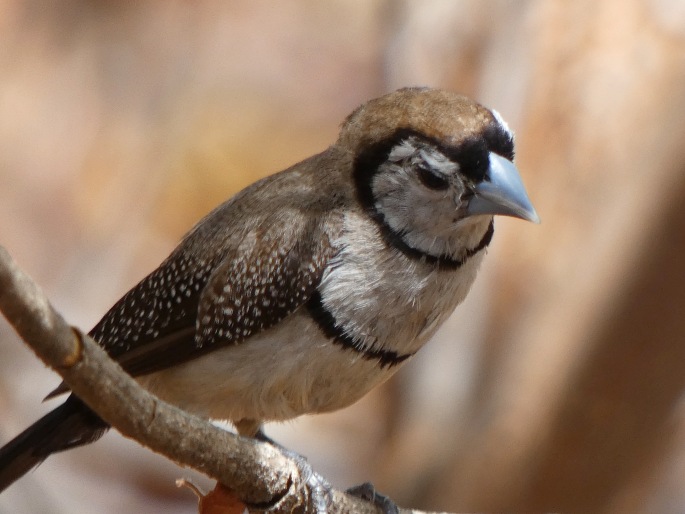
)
(432, 179)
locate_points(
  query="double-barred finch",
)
(312, 286)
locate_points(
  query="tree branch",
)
(257, 473)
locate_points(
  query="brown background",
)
(556, 386)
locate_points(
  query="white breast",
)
(395, 302)
(287, 371)
(376, 293)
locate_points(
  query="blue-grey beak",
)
(502, 192)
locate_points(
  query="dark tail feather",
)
(69, 425)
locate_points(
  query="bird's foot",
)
(321, 495)
(320, 489)
(367, 491)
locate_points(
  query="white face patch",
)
(402, 150)
(421, 153)
(419, 192)
(438, 161)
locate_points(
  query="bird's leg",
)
(367, 491)
(318, 485)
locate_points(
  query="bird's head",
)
(434, 167)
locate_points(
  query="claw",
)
(321, 492)
(321, 496)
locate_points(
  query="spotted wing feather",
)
(253, 291)
(188, 307)
(152, 326)
(161, 306)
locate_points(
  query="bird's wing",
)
(251, 294)
(188, 307)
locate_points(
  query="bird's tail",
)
(69, 425)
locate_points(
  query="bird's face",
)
(436, 181)
(423, 195)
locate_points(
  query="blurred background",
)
(558, 384)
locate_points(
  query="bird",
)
(314, 285)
